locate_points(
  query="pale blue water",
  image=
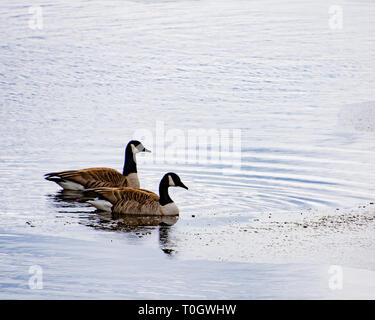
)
(82, 270)
(74, 93)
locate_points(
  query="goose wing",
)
(92, 177)
(131, 200)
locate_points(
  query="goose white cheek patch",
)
(134, 149)
(171, 182)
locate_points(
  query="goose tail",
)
(100, 204)
(63, 183)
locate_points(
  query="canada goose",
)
(102, 177)
(139, 201)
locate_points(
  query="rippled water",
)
(75, 92)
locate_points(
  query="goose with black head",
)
(139, 201)
(83, 179)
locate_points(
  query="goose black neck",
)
(163, 192)
(130, 166)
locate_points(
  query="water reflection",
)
(64, 197)
(165, 242)
(134, 225)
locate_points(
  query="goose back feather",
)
(131, 200)
(91, 178)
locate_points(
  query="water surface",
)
(301, 94)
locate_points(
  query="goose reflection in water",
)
(64, 197)
(123, 222)
(70, 196)
(139, 225)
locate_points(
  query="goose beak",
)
(146, 150)
(183, 186)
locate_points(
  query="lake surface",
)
(79, 79)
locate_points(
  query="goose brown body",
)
(93, 177)
(131, 200)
